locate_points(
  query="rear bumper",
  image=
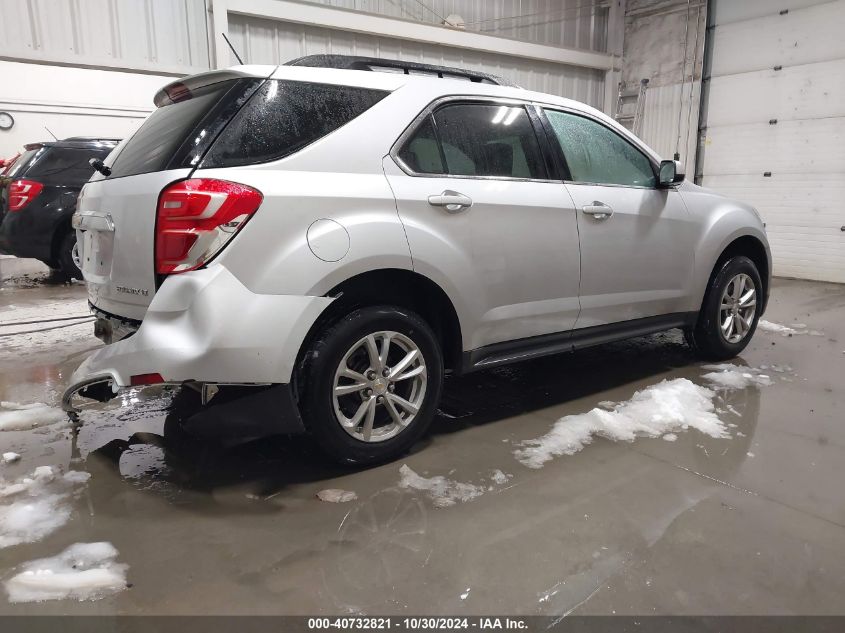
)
(205, 327)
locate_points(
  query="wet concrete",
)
(753, 524)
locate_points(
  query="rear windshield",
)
(15, 169)
(283, 116)
(64, 166)
(172, 131)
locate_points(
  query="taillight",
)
(196, 218)
(22, 192)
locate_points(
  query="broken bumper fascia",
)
(204, 328)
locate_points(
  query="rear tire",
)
(730, 311)
(64, 256)
(370, 385)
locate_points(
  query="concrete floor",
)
(753, 524)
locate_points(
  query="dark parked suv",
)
(38, 195)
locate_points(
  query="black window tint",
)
(489, 140)
(282, 117)
(66, 166)
(157, 141)
(597, 154)
(422, 153)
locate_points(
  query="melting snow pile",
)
(335, 495)
(443, 492)
(663, 408)
(19, 417)
(659, 410)
(785, 330)
(33, 507)
(84, 571)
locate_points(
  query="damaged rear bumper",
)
(206, 329)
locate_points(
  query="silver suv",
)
(315, 245)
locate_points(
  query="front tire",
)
(730, 311)
(370, 384)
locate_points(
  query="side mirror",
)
(671, 172)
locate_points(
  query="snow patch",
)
(656, 411)
(10, 457)
(499, 477)
(37, 505)
(777, 328)
(785, 330)
(335, 495)
(735, 377)
(20, 417)
(83, 571)
(442, 491)
(668, 406)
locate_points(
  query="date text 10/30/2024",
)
(416, 624)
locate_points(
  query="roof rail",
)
(99, 139)
(355, 62)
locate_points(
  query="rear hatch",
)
(116, 214)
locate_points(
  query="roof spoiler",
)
(181, 89)
(356, 62)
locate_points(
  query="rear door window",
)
(474, 139)
(422, 151)
(283, 117)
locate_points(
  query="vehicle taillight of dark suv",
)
(38, 194)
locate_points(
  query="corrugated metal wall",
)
(661, 121)
(170, 36)
(570, 23)
(162, 36)
(268, 42)
(658, 33)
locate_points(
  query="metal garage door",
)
(775, 125)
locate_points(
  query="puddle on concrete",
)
(240, 528)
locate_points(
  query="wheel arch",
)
(402, 288)
(752, 247)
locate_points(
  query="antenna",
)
(238, 57)
(50, 133)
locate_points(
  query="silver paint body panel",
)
(522, 261)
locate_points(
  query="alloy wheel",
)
(737, 308)
(379, 386)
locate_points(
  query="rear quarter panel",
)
(272, 255)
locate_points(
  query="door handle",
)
(451, 200)
(599, 210)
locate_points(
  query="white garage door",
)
(775, 126)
